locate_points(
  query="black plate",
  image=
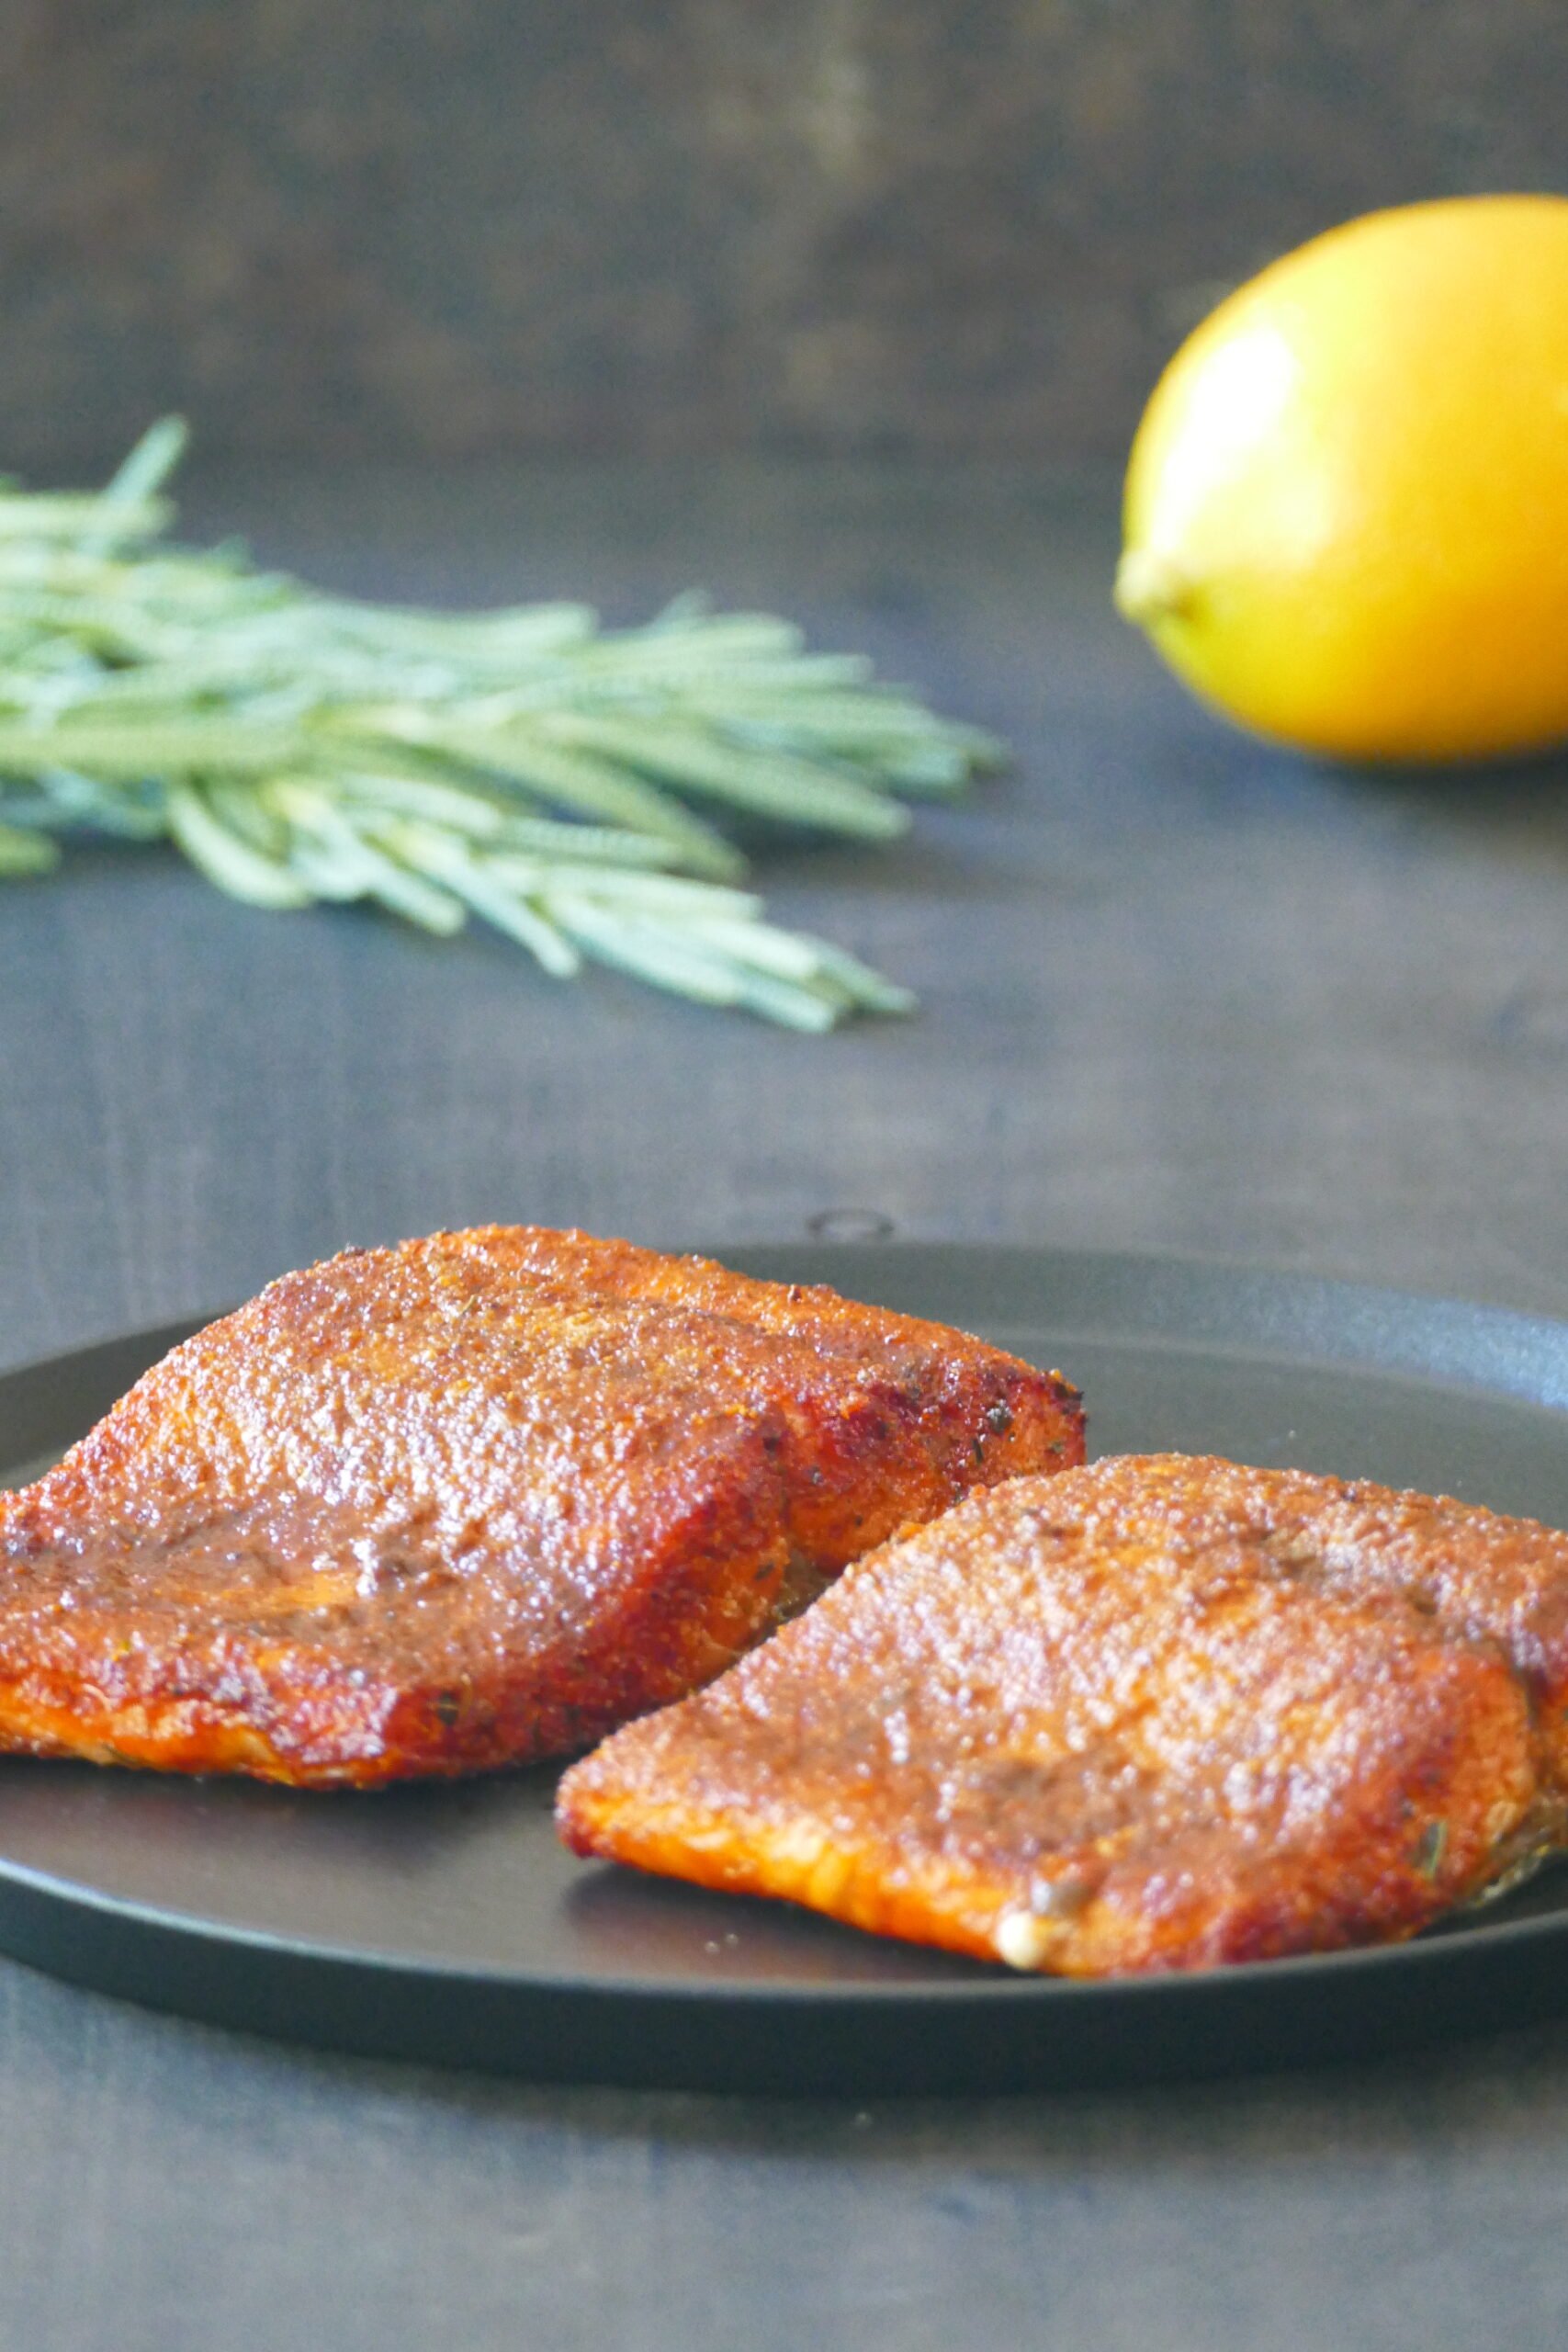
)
(447, 1924)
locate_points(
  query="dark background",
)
(666, 226)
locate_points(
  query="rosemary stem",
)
(571, 786)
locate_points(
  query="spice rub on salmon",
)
(1153, 1715)
(475, 1500)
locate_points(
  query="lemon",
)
(1347, 506)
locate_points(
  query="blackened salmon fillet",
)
(1153, 1714)
(475, 1499)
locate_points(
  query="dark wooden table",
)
(1179, 992)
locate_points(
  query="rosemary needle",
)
(565, 783)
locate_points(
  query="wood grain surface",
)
(857, 225)
(1179, 992)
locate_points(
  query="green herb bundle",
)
(560, 781)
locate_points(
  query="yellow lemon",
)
(1347, 507)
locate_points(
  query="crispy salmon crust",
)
(1151, 1715)
(475, 1499)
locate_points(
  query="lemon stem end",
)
(1150, 587)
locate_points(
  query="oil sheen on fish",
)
(1153, 1715)
(475, 1500)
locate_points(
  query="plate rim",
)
(1537, 1326)
(1437, 1949)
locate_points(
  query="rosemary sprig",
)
(560, 782)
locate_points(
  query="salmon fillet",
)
(1150, 1715)
(475, 1499)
